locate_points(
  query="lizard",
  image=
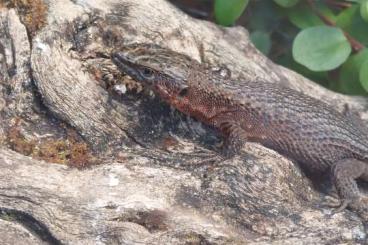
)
(290, 122)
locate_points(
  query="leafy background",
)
(323, 40)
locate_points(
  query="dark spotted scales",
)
(296, 125)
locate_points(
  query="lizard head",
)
(176, 78)
(164, 71)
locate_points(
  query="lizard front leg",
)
(344, 175)
(235, 138)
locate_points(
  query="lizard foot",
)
(203, 153)
(212, 159)
(335, 203)
(357, 204)
(341, 206)
(207, 158)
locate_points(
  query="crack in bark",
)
(30, 223)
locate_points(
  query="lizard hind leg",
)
(344, 175)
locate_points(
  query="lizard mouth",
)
(123, 63)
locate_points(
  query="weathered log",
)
(150, 187)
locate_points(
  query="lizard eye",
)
(147, 73)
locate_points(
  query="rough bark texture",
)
(149, 186)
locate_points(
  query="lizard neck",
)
(203, 100)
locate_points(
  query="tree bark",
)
(147, 184)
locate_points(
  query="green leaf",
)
(349, 74)
(352, 22)
(228, 11)
(345, 17)
(363, 75)
(364, 10)
(265, 16)
(326, 11)
(302, 17)
(358, 29)
(286, 3)
(321, 48)
(261, 40)
(288, 61)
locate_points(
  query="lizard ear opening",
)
(183, 92)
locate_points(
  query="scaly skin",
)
(294, 124)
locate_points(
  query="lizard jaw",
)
(122, 62)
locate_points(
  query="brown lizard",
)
(292, 123)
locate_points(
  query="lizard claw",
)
(206, 157)
(203, 153)
(210, 162)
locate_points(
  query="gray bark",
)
(149, 186)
